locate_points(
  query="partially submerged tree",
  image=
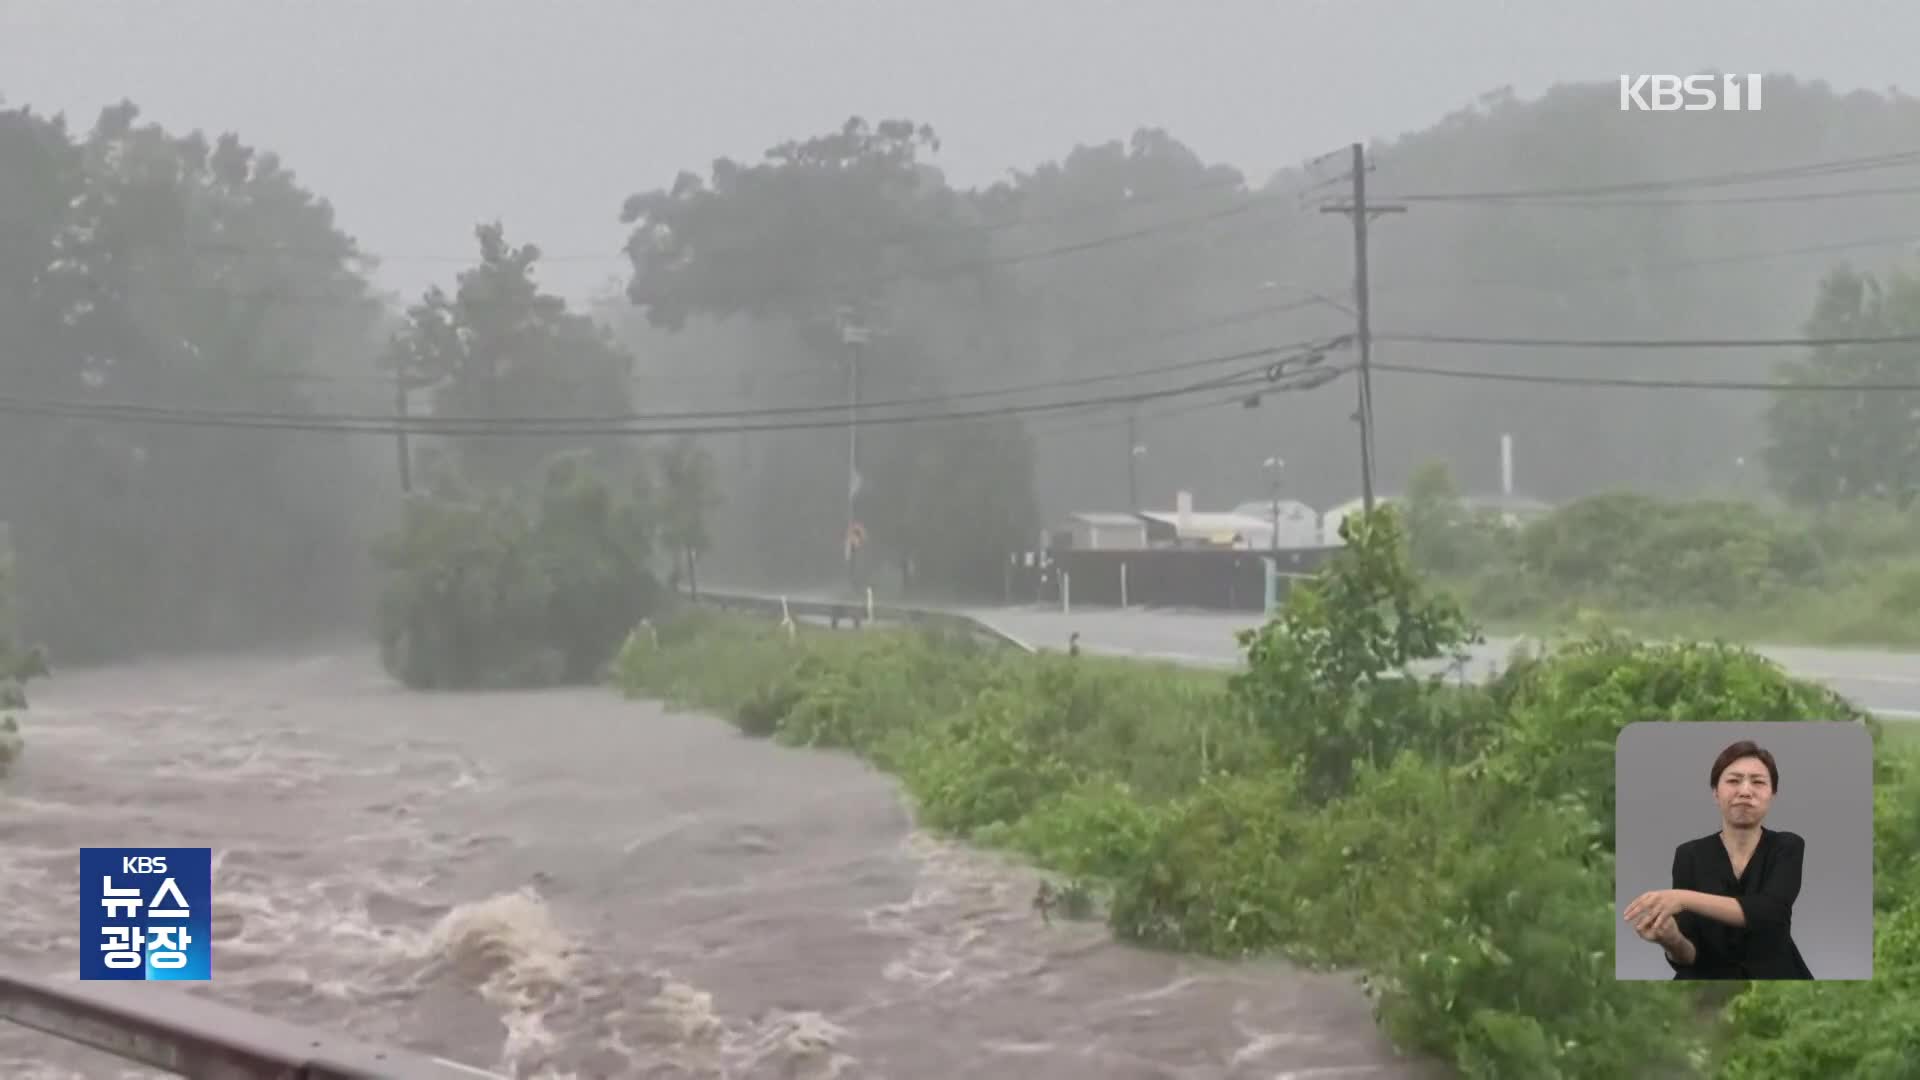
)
(485, 591)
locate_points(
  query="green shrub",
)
(1564, 714)
(483, 593)
(1455, 843)
(1316, 679)
(1867, 1030)
(1094, 830)
(1702, 568)
(1212, 865)
(1896, 822)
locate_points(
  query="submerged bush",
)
(482, 592)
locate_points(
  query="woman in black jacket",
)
(1729, 914)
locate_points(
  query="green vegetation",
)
(1846, 574)
(528, 558)
(483, 592)
(1454, 842)
(168, 270)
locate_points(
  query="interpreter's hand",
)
(1660, 931)
(1656, 905)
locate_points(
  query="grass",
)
(1453, 843)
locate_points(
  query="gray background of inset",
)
(1825, 794)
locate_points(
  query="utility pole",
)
(1133, 464)
(855, 336)
(1276, 463)
(1361, 211)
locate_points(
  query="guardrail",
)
(837, 613)
(187, 1035)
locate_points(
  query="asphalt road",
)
(1887, 683)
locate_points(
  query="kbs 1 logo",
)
(146, 914)
(1689, 93)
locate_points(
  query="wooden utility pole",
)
(1361, 211)
(855, 336)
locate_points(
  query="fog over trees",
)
(199, 377)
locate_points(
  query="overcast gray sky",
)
(418, 118)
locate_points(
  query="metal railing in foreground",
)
(838, 613)
(187, 1035)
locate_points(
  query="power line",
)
(1714, 200)
(1648, 384)
(1656, 268)
(1078, 425)
(1305, 345)
(1650, 343)
(1834, 167)
(1268, 376)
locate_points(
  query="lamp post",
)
(1276, 464)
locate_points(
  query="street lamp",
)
(1276, 464)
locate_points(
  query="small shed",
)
(1211, 530)
(1299, 524)
(1097, 531)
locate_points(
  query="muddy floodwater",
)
(566, 884)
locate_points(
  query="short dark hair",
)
(1744, 748)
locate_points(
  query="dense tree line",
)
(168, 270)
(1137, 255)
(180, 271)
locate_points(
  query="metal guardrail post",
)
(188, 1035)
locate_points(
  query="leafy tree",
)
(687, 498)
(845, 230)
(174, 271)
(1443, 536)
(1830, 446)
(1319, 675)
(500, 347)
(1187, 260)
(813, 227)
(924, 484)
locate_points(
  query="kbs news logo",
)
(1692, 93)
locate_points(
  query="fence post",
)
(1066, 590)
(1273, 584)
(1123, 584)
(869, 603)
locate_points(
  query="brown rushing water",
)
(564, 884)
